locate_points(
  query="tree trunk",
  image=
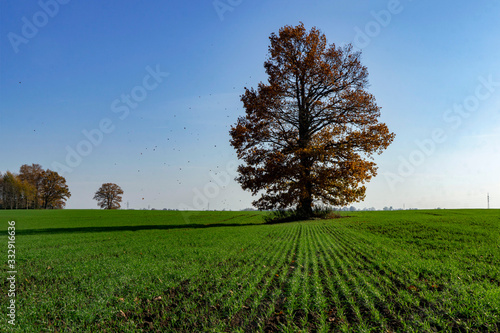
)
(305, 204)
(305, 207)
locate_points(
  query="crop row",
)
(319, 277)
(387, 274)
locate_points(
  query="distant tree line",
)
(33, 188)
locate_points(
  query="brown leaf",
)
(122, 314)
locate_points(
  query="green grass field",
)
(112, 271)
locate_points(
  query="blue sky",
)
(157, 86)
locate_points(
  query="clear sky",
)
(143, 93)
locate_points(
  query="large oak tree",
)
(310, 133)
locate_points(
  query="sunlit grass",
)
(397, 271)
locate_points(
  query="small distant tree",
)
(108, 196)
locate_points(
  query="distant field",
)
(397, 271)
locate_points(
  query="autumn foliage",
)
(108, 196)
(33, 188)
(310, 133)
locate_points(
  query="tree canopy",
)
(54, 190)
(310, 132)
(33, 175)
